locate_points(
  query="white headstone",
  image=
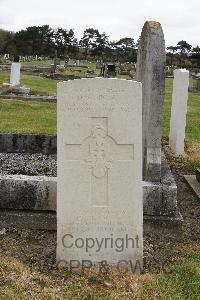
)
(179, 111)
(99, 206)
(15, 74)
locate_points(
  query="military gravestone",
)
(99, 201)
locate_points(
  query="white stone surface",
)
(15, 74)
(179, 111)
(99, 170)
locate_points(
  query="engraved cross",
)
(100, 152)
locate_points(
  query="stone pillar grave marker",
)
(179, 111)
(150, 70)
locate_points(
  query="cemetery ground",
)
(172, 268)
(40, 117)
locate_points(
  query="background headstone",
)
(16, 58)
(15, 74)
(99, 169)
(150, 71)
(99, 65)
(179, 111)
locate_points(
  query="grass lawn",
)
(38, 62)
(36, 83)
(177, 282)
(40, 84)
(26, 116)
(180, 283)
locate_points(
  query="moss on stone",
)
(152, 25)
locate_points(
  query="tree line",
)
(46, 41)
(183, 55)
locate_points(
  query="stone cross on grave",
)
(100, 152)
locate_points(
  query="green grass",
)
(40, 84)
(182, 282)
(179, 281)
(27, 116)
(4, 77)
(36, 83)
(38, 62)
(12, 112)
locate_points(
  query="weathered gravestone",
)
(15, 74)
(179, 111)
(150, 71)
(110, 70)
(159, 187)
(99, 65)
(99, 200)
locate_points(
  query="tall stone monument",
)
(179, 111)
(150, 70)
(159, 186)
(99, 200)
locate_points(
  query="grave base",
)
(39, 193)
(42, 220)
(30, 202)
(160, 198)
(164, 225)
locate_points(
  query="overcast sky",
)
(180, 19)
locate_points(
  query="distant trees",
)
(3, 40)
(101, 48)
(172, 51)
(126, 49)
(64, 41)
(184, 47)
(184, 55)
(34, 40)
(45, 41)
(6, 41)
(88, 40)
(94, 43)
(195, 56)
